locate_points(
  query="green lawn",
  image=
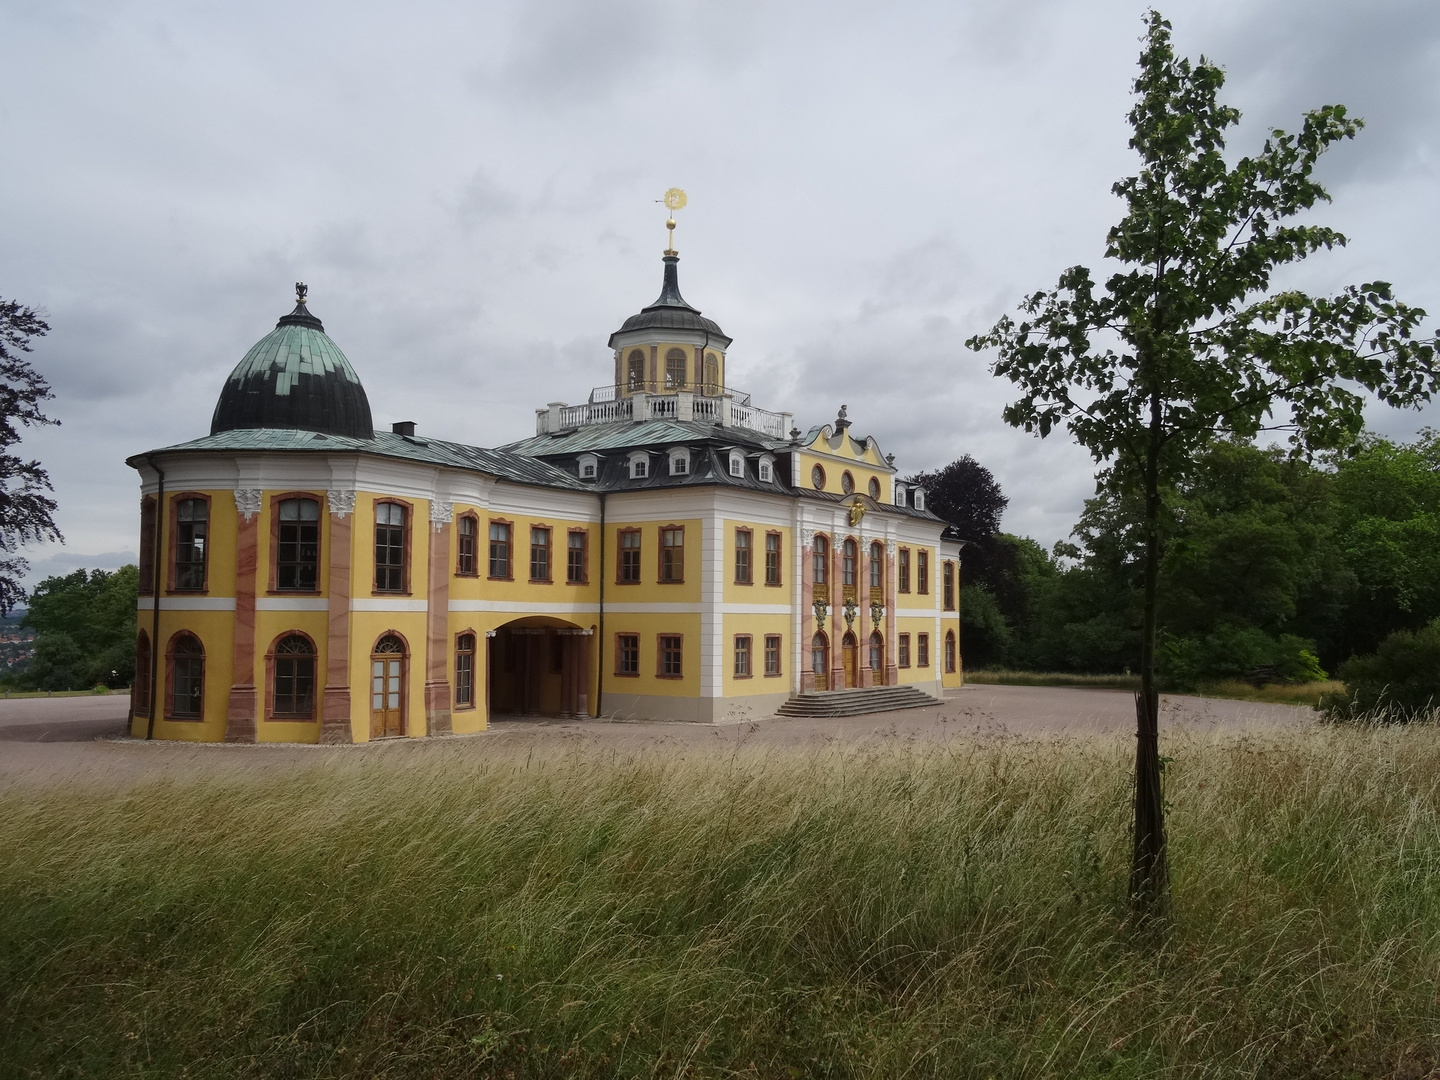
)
(957, 911)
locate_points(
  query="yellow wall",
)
(759, 592)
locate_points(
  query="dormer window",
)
(639, 466)
(919, 498)
(899, 494)
(767, 472)
(589, 466)
(737, 465)
(679, 462)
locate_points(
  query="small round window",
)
(874, 488)
(817, 478)
(847, 482)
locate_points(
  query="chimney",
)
(404, 427)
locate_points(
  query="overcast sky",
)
(469, 190)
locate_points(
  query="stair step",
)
(856, 701)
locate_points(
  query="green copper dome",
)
(295, 378)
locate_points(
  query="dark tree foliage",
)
(1185, 342)
(1400, 681)
(967, 495)
(84, 630)
(25, 512)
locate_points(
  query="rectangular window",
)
(627, 569)
(499, 550)
(465, 530)
(742, 656)
(389, 547)
(904, 569)
(947, 585)
(465, 670)
(539, 554)
(877, 565)
(670, 656)
(577, 560)
(950, 651)
(922, 572)
(672, 554)
(904, 651)
(742, 557)
(192, 527)
(297, 545)
(147, 547)
(772, 654)
(627, 654)
(922, 650)
(772, 558)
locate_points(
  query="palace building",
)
(665, 550)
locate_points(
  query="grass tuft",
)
(900, 910)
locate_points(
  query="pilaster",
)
(240, 716)
(335, 716)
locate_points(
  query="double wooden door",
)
(849, 658)
(387, 688)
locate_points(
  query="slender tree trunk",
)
(1149, 874)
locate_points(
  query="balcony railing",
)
(726, 409)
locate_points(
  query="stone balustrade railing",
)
(724, 410)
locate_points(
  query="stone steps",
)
(856, 702)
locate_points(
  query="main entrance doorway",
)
(539, 667)
(849, 650)
(387, 687)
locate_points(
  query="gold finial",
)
(674, 200)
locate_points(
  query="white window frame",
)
(767, 470)
(899, 494)
(680, 458)
(590, 462)
(639, 465)
(919, 498)
(737, 464)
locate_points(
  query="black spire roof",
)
(295, 378)
(671, 312)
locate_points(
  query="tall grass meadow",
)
(897, 910)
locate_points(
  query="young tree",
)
(25, 512)
(1186, 342)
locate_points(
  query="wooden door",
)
(848, 659)
(387, 688)
(820, 661)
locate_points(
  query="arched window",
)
(821, 560)
(877, 651)
(635, 370)
(847, 482)
(675, 369)
(294, 686)
(712, 374)
(140, 698)
(192, 527)
(819, 654)
(297, 545)
(950, 651)
(850, 554)
(877, 565)
(187, 677)
(874, 487)
(817, 478)
(465, 670)
(389, 547)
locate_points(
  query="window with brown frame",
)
(849, 557)
(627, 654)
(635, 370)
(293, 678)
(675, 369)
(539, 553)
(947, 584)
(904, 570)
(922, 572)
(772, 654)
(577, 557)
(877, 565)
(902, 652)
(192, 530)
(141, 703)
(297, 545)
(874, 488)
(950, 652)
(187, 677)
(671, 656)
(847, 482)
(672, 554)
(500, 550)
(712, 374)
(772, 558)
(877, 651)
(467, 530)
(743, 553)
(817, 477)
(147, 546)
(742, 656)
(465, 671)
(922, 650)
(390, 535)
(820, 560)
(627, 556)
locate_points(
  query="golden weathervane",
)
(674, 200)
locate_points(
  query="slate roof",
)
(870, 504)
(671, 312)
(631, 435)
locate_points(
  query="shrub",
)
(1399, 681)
(1232, 651)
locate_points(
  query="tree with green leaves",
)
(26, 512)
(1186, 342)
(84, 626)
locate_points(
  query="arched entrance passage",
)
(388, 660)
(538, 666)
(849, 660)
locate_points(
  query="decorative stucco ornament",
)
(851, 610)
(247, 501)
(342, 503)
(877, 612)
